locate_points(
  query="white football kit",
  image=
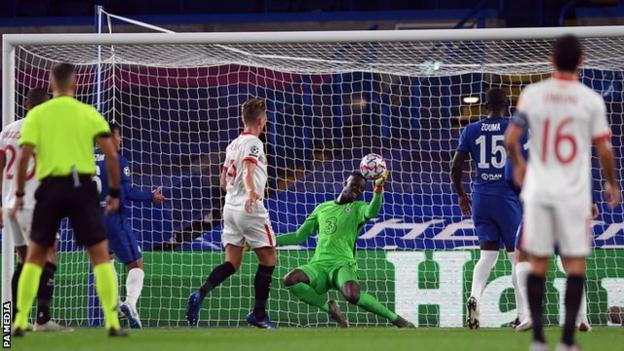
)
(239, 226)
(20, 228)
(564, 117)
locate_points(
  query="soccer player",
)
(333, 266)
(246, 220)
(121, 238)
(495, 209)
(522, 266)
(19, 228)
(62, 130)
(565, 117)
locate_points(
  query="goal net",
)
(330, 102)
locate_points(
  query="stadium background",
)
(412, 119)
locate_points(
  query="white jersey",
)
(9, 145)
(245, 147)
(564, 117)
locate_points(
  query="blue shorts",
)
(496, 218)
(121, 239)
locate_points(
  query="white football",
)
(372, 166)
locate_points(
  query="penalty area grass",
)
(304, 339)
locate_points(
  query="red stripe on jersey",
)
(601, 137)
(268, 233)
(251, 159)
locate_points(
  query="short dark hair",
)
(36, 96)
(62, 74)
(113, 125)
(496, 100)
(567, 52)
(252, 109)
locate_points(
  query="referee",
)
(62, 131)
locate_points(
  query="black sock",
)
(573, 296)
(264, 276)
(535, 287)
(44, 294)
(14, 280)
(216, 277)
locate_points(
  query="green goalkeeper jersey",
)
(338, 226)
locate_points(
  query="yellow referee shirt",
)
(62, 131)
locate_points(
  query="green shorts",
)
(325, 275)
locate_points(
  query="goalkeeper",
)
(333, 265)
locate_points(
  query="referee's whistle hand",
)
(112, 204)
(17, 206)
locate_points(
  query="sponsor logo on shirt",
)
(491, 177)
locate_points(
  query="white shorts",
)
(20, 227)
(566, 225)
(240, 227)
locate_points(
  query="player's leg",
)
(85, 215)
(489, 243)
(508, 220)
(538, 242)
(522, 268)
(305, 283)
(134, 286)
(574, 242)
(45, 293)
(582, 322)
(267, 259)
(21, 247)
(345, 278)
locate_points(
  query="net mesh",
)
(328, 106)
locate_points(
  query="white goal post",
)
(332, 97)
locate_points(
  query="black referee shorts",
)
(57, 198)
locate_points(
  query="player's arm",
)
(249, 166)
(513, 136)
(135, 194)
(309, 227)
(457, 170)
(223, 179)
(372, 209)
(607, 163)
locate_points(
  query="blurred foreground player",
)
(62, 130)
(333, 266)
(565, 117)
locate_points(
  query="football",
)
(372, 166)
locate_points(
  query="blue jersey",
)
(524, 139)
(127, 192)
(483, 140)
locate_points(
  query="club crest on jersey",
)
(126, 171)
(347, 209)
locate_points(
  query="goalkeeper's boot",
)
(336, 315)
(538, 346)
(117, 333)
(132, 315)
(264, 323)
(192, 308)
(401, 322)
(473, 313)
(51, 326)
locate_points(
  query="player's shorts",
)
(496, 218)
(240, 227)
(20, 227)
(57, 198)
(122, 239)
(565, 225)
(327, 275)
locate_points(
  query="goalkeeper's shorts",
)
(325, 275)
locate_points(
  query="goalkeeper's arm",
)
(372, 209)
(295, 238)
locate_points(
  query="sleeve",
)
(521, 117)
(309, 227)
(464, 141)
(99, 126)
(2, 142)
(133, 194)
(29, 132)
(600, 127)
(371, 210)
(253, 151)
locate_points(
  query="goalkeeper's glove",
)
(379, 182)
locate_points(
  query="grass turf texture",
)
(303, 339)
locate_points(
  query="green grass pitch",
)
(303, 339)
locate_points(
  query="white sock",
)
(514, 282)
(482, 271)
(134, 285)
(522, 274)
(582, 313)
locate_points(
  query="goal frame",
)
(10, 41)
